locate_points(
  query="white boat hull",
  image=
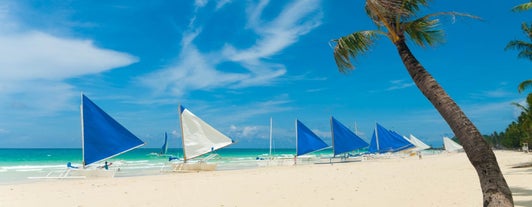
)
(197, 166)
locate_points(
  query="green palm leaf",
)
(351, 46)
(423, 31)
(524, 48)
(414, 6)
(523, 85)
(522, 7)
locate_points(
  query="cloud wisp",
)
(204, 70)
(35, 66)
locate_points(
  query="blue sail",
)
(164, 148)
(384, 140)
(344, 140)
(307, 141)
(103, 137)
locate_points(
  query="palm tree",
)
(524, 48)
(396, 20)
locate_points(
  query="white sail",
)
(451, 146)
(419, 144)
(199, 137)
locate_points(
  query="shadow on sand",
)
(522, 192)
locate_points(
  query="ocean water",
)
(16, 165)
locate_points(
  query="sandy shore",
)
(437, 180)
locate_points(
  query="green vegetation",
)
(517, 132)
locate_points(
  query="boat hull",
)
(93, 173)
(198, 166)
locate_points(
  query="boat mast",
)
(82, 132)
(182, 133)
(332, 136)
(377, 137)
(271, 125)
(295, 158)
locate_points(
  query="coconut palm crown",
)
(398, 21)
(393, 19)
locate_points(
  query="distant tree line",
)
(517, 132)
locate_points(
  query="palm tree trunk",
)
(495, 190)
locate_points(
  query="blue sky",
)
(235, 64)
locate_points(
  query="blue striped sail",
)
(344, 140)
(102, 136)
(307, 141)
(384, 140)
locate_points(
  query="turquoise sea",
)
(16, 165)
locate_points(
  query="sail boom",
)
(117, 154)
(327, 147)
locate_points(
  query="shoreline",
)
(435, 180)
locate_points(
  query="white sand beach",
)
(435, 180)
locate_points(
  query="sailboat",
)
(199, 138)
(307, 141)
(102, 136)
(164, 148)
(343, 139)
(451, 146)
(384, 140)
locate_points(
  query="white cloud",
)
(396, 85)
(295, 20)
(36, 55)
(400, 84)
(246, 132)
(198, 70)
(201, 3)
(192, 73)
(222, 3)
(249, 131)
(35, 66)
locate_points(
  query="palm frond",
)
(527, 30)
(424, 32)
(522, 7)
(523, 85)
(414, 6)
(351, 46)
(524, 48)
(526, 54)
(520, 106)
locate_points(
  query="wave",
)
(30, 167)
